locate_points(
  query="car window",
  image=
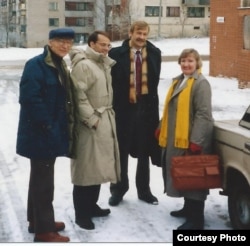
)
(245, 121)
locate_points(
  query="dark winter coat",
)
(149, 107)
(46, 113)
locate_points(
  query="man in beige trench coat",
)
(97, 150)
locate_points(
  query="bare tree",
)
(8, 24)
(5, 24)
(112, 16)
(100, 14)
(183, 18)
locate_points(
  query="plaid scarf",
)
(144, 81)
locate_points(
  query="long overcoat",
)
(46, 110)
(97, 149)
(200, 132)
(148, 118)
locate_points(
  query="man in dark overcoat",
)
(45, 123)
(136, 106)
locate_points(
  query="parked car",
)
(232, 144)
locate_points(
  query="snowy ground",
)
(133, 220)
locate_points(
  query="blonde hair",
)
(186, 52)
(137, 25)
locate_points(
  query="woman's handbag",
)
(196, 172)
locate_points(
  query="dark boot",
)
(85, 223)
(182, 212)
(100, 212)
(114, 200)
(195, 217)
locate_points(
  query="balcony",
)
(22, 9)
(113, 2)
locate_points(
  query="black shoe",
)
(192, 225)
(179, 213)
(99, 212)
(114, 200)
(149, 198)
(86, 223)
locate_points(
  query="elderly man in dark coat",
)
(45, 123)
(135, 79)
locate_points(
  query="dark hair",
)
(93, 37)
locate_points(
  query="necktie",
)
(138, 68)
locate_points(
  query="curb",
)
(175, 58)
(19, 64)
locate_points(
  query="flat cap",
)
(62, 33)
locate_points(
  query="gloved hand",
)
(157, 133)
(194, 149)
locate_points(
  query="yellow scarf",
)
(182, 117)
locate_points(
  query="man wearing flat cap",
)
(45, 129)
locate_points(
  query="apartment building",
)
(173, 18)
(35, 18)
(230, 40)
(26, 23)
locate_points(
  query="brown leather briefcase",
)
(196, 172)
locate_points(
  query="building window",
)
(80, 22)
(76, 6)
(173, 12)
(245, 3)
(246, 32)
(153, 11)
(196, 2)
(196, 12)
(53, 21)
(204, 2)
(75, 21)
(4, 3)
(53, 6)
(23, 28)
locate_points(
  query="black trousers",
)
(135, 141)
(142, 178)
(40, 210)
(85, 199)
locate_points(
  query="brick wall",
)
(227, 56)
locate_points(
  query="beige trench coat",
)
(97, 154)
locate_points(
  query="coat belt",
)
(103, 108)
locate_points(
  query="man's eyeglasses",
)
(103, 45)
(67, 42)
